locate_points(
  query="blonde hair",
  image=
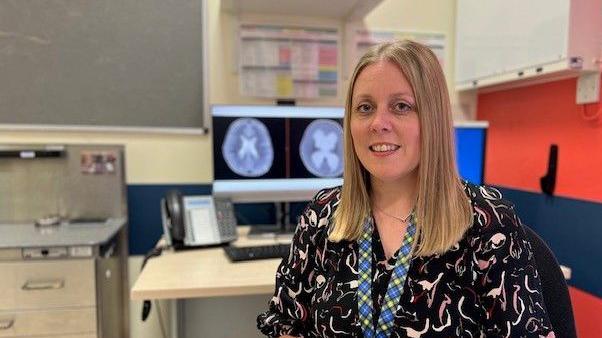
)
(442, 211)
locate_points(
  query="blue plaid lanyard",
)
(396, 283)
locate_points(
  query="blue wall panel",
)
(571, 228)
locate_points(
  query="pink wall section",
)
(525, 121)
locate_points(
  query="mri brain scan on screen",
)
(321, 148)
(247, 147)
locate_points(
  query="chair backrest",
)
(555, 291)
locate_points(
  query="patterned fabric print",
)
(395, 285)
(484, 286)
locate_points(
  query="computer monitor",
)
(470, 140)
(276, 153)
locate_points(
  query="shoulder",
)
(483, 195)
(318, 212)
(325, 200)
(496, 240)
(492, 213)
(327, 196)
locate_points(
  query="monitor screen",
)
(276, 153)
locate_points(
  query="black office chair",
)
(555, 291)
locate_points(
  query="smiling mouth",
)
(383, 148)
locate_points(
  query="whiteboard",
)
(125, 63)
(494, 37)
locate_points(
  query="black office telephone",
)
(195, 221)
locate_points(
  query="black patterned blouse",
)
(484, 286)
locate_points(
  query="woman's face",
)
(384, 124)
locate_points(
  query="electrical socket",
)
(588, 88)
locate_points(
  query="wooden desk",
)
(207, 273)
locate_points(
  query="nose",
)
(380, 122)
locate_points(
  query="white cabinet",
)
(516, 42)
(75, 294)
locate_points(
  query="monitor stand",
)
(281, 228)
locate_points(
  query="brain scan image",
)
(247, 147)
(321, 148)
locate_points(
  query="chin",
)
(388, 176)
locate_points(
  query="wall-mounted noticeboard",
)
(288, 62)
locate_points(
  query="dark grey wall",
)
(106, 63)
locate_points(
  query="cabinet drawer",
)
(52, 322)
(47, 284)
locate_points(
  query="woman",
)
(405, 248)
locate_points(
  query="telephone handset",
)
(193, 221)
(173, 212)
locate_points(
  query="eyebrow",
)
(368, 96)
(403, 94)
(361, 96)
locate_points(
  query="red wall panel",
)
(525, 121)
(588, 313)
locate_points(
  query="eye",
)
(364, 108)
(402, 107)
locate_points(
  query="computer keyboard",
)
(247, 253)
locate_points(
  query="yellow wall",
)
(185, 159)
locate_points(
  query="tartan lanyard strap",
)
(396, 283)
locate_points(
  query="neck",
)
(395, 198)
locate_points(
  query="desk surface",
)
(207, 273)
